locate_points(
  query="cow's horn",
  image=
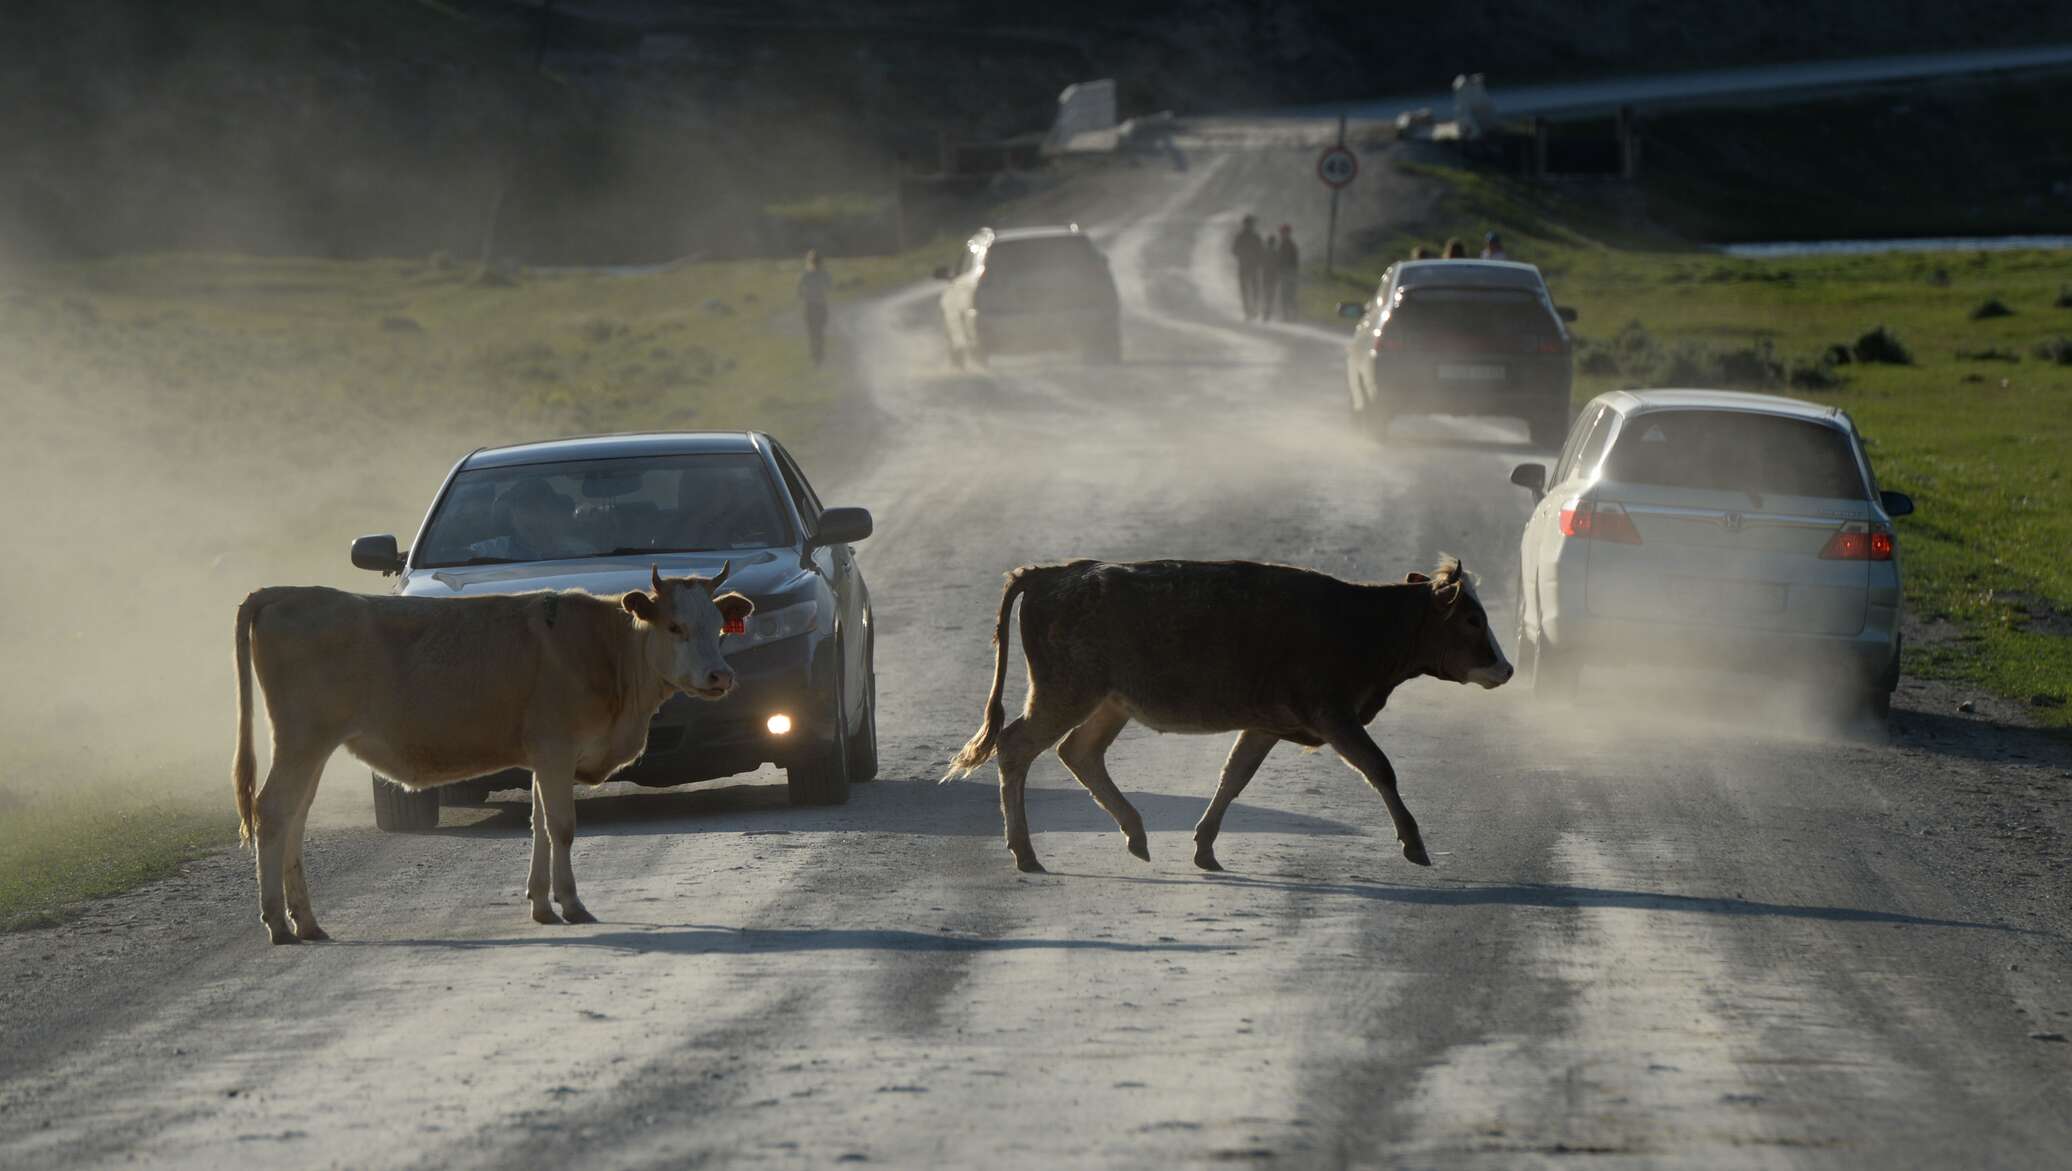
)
(725, 567)
(655, 576)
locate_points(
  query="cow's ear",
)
(734, 607)
(1446, 597)
(640, 606)
(1414, 578)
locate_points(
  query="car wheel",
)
(957, 361)
(1378, 418)
(1550, 429)
(1555, 674)
(822, 776)
(863, 744)
(401, 810)
(467, 793)
(1879, 704)
(1106, 349)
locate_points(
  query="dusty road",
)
(1648, 939)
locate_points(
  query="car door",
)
(837, 566)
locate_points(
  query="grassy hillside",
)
(1975, 425)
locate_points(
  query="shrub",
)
(1815, 375)
(1836, 355)
(1883, 346)
(1988, 356)
(1991, 307)
(2064, 300)
(2057, 349)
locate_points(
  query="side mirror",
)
(378, 553)
(841, 526)
(1565, 312)
(1532, 478)
(1352, 310)
(942, 272)
(1896, 503)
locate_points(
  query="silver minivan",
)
(1714, 529)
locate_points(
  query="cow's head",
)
(1460, 645)
(686, 616)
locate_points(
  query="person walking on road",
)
(1250, 252)
(1493, 247)
(1291, 272)
(813, 289)
(1269, 279)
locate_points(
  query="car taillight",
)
(1859, 541)
(1552, 345)
(1587, 520)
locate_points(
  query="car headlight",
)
(773, 625)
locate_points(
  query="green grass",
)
(1983, 446)
(56, 853)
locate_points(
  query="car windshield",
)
(605, 507)
(1736, 451)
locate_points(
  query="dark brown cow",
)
(1269, 651)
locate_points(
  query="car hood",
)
(758, 573)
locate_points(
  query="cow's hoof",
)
(1140, 847)
(577, 913)
(1415, 851)
(310, 932)
(1206, 859)
(1029, 866)
(279, 933)
(542, 913)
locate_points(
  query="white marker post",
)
(1337, 166)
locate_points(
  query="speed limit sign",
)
(1337, 166)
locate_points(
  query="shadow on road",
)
(964, 809)
(705, 939)
(1562, 895)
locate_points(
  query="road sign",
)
(1337, 166)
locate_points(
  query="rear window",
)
(1062, 253)
(1421, 313)
(1735, 451)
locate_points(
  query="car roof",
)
(620, 446)
(1414, 274)
(1635, 401)
(1003, 234)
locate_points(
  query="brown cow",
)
(434, 690)
(1270, 651)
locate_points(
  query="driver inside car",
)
(533, 523)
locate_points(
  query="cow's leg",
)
(1245, 757)
(1042, 722)
(299, 907)
(536, 879)
(1347, 738)
(554, 790)
(289, 783)
(1085, 753)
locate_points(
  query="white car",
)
(1717, 529)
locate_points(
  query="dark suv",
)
(1030, 289)
(1461, 337)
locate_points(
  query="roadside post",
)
(1337, 166)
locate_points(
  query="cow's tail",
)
(243, 768)
(979, 749)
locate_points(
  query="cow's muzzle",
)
(715, 685)
(1495, 675)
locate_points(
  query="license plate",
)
(1729, 597)
(1463, 373)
